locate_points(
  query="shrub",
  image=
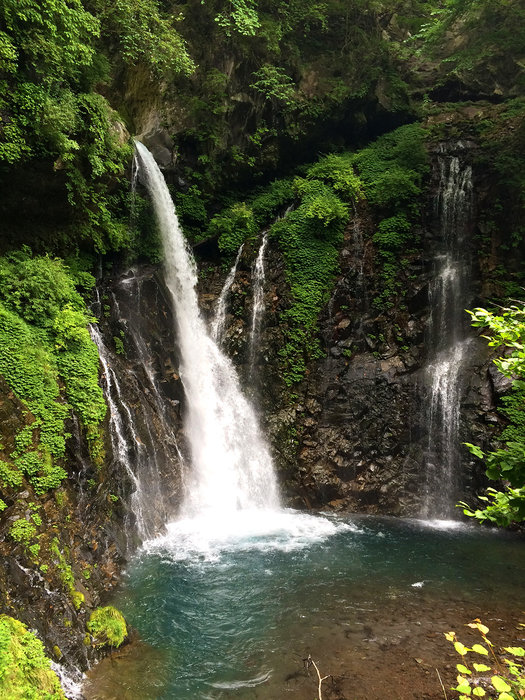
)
(108, 626)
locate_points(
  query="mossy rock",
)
(25, 670)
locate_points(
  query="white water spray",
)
(231, 468)
(218, 323)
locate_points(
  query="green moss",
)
(25, 671)
(66, 573)
(108, 626)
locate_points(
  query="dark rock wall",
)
(354, 434)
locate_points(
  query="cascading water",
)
(259, 278)
(447, 333)
(218, 323)
(140, 414)
(231, 467)
(121, 442)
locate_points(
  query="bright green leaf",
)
(463, 669)
(481, 668)
(499, 684)
(480, 649)
(515, 651)
(478, 692)
(460, 648)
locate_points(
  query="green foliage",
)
(144, 34)
(22, 531)
(44, 341)
(274, 84)
(507, 328)
(25, 670)
(338, 170)
(108, 626)
(241, 18)
(66, 573)
(492, 33)
(391, 170)
(309, 238)
(271, 201)
(393, 233)
(232, 227)
(507, 675)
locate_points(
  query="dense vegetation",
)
(25, 671)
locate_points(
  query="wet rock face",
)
(88, 525)
(354, 434)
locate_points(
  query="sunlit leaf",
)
(478, 692)
(500, 685)
(477, 624)
(464, 687)
(480, 649)
(463, 669)
(515, 651)
(450, 636)
(460, 648)
(505, 696)
(481, 668)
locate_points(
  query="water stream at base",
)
(447, 335)
(231, 469)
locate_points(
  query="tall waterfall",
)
(219, 320)
(231, 468)
(259, 278)
(447, 334)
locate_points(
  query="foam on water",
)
(208, 537)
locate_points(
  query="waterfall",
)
(122, 434)
(447, 334)
(259, 278)
(231, 467)
(218, 323)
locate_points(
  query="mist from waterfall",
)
(230, 468)
(447, 334)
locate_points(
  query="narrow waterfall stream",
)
(259, 278)
(447, 334)
(218, 323)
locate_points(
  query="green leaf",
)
(505, 696)
(478, 692)
(480, 649)
(463, 669)
(515, 651)
(460, 648)
(481, 668)
(500, 685)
